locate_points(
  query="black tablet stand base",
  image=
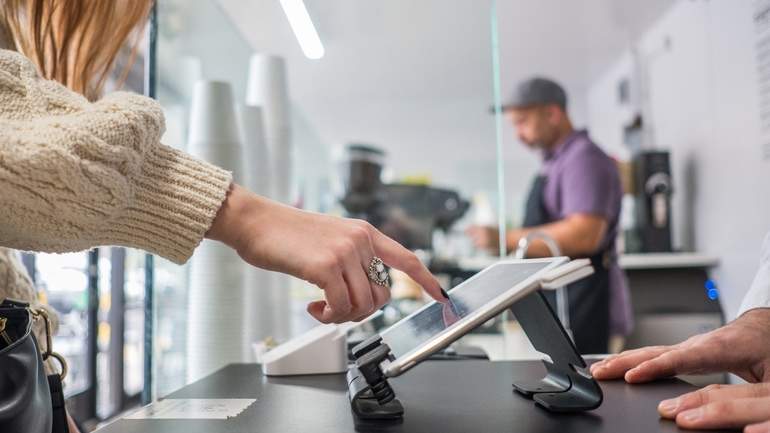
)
(565, 388)
(370, 394)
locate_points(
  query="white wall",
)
(705, 110)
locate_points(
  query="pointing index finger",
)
(395, 255)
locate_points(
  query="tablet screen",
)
(466, 298)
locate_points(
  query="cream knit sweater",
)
(75, 175)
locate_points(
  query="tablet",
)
(478, 299)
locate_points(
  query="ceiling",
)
(441, 48)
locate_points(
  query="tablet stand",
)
(370, 394)
(563, 389)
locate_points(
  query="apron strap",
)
(535, 214)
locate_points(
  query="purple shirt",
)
(582, 179)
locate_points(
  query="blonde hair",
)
(75, 42)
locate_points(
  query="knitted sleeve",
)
(75, 174)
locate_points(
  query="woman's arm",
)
(74, 174)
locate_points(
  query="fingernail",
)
(668, 406)
(444, 292)
(692, 415)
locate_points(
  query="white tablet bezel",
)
(486, 312)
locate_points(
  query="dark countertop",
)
(441, 396)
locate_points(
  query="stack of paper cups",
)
(214, 134)
(265, 303)
(267, 89)
(257, 173)
(215, 331)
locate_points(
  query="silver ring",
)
(378, 273)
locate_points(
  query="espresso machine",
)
(405, 212)
(653, 188)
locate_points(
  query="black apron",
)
(589, 299)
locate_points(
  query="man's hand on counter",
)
(741, 347)
(722, 406)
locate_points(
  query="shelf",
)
(627, 261)
(667, 261)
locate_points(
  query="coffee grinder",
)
(405, 212)
(652, 174)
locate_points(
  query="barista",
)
(575, 200)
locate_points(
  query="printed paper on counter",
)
(195, 408)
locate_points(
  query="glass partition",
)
(393, 124)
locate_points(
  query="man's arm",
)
(578, 235)
(589, 188)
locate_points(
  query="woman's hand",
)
(330, 252)
(722, 406)
(740, 347)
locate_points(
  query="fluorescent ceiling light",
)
(303, 28)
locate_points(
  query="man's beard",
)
(538, 145)
(545, 144)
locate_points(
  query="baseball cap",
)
(536, 91)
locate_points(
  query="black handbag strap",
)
(60, 424)
(10, 303)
